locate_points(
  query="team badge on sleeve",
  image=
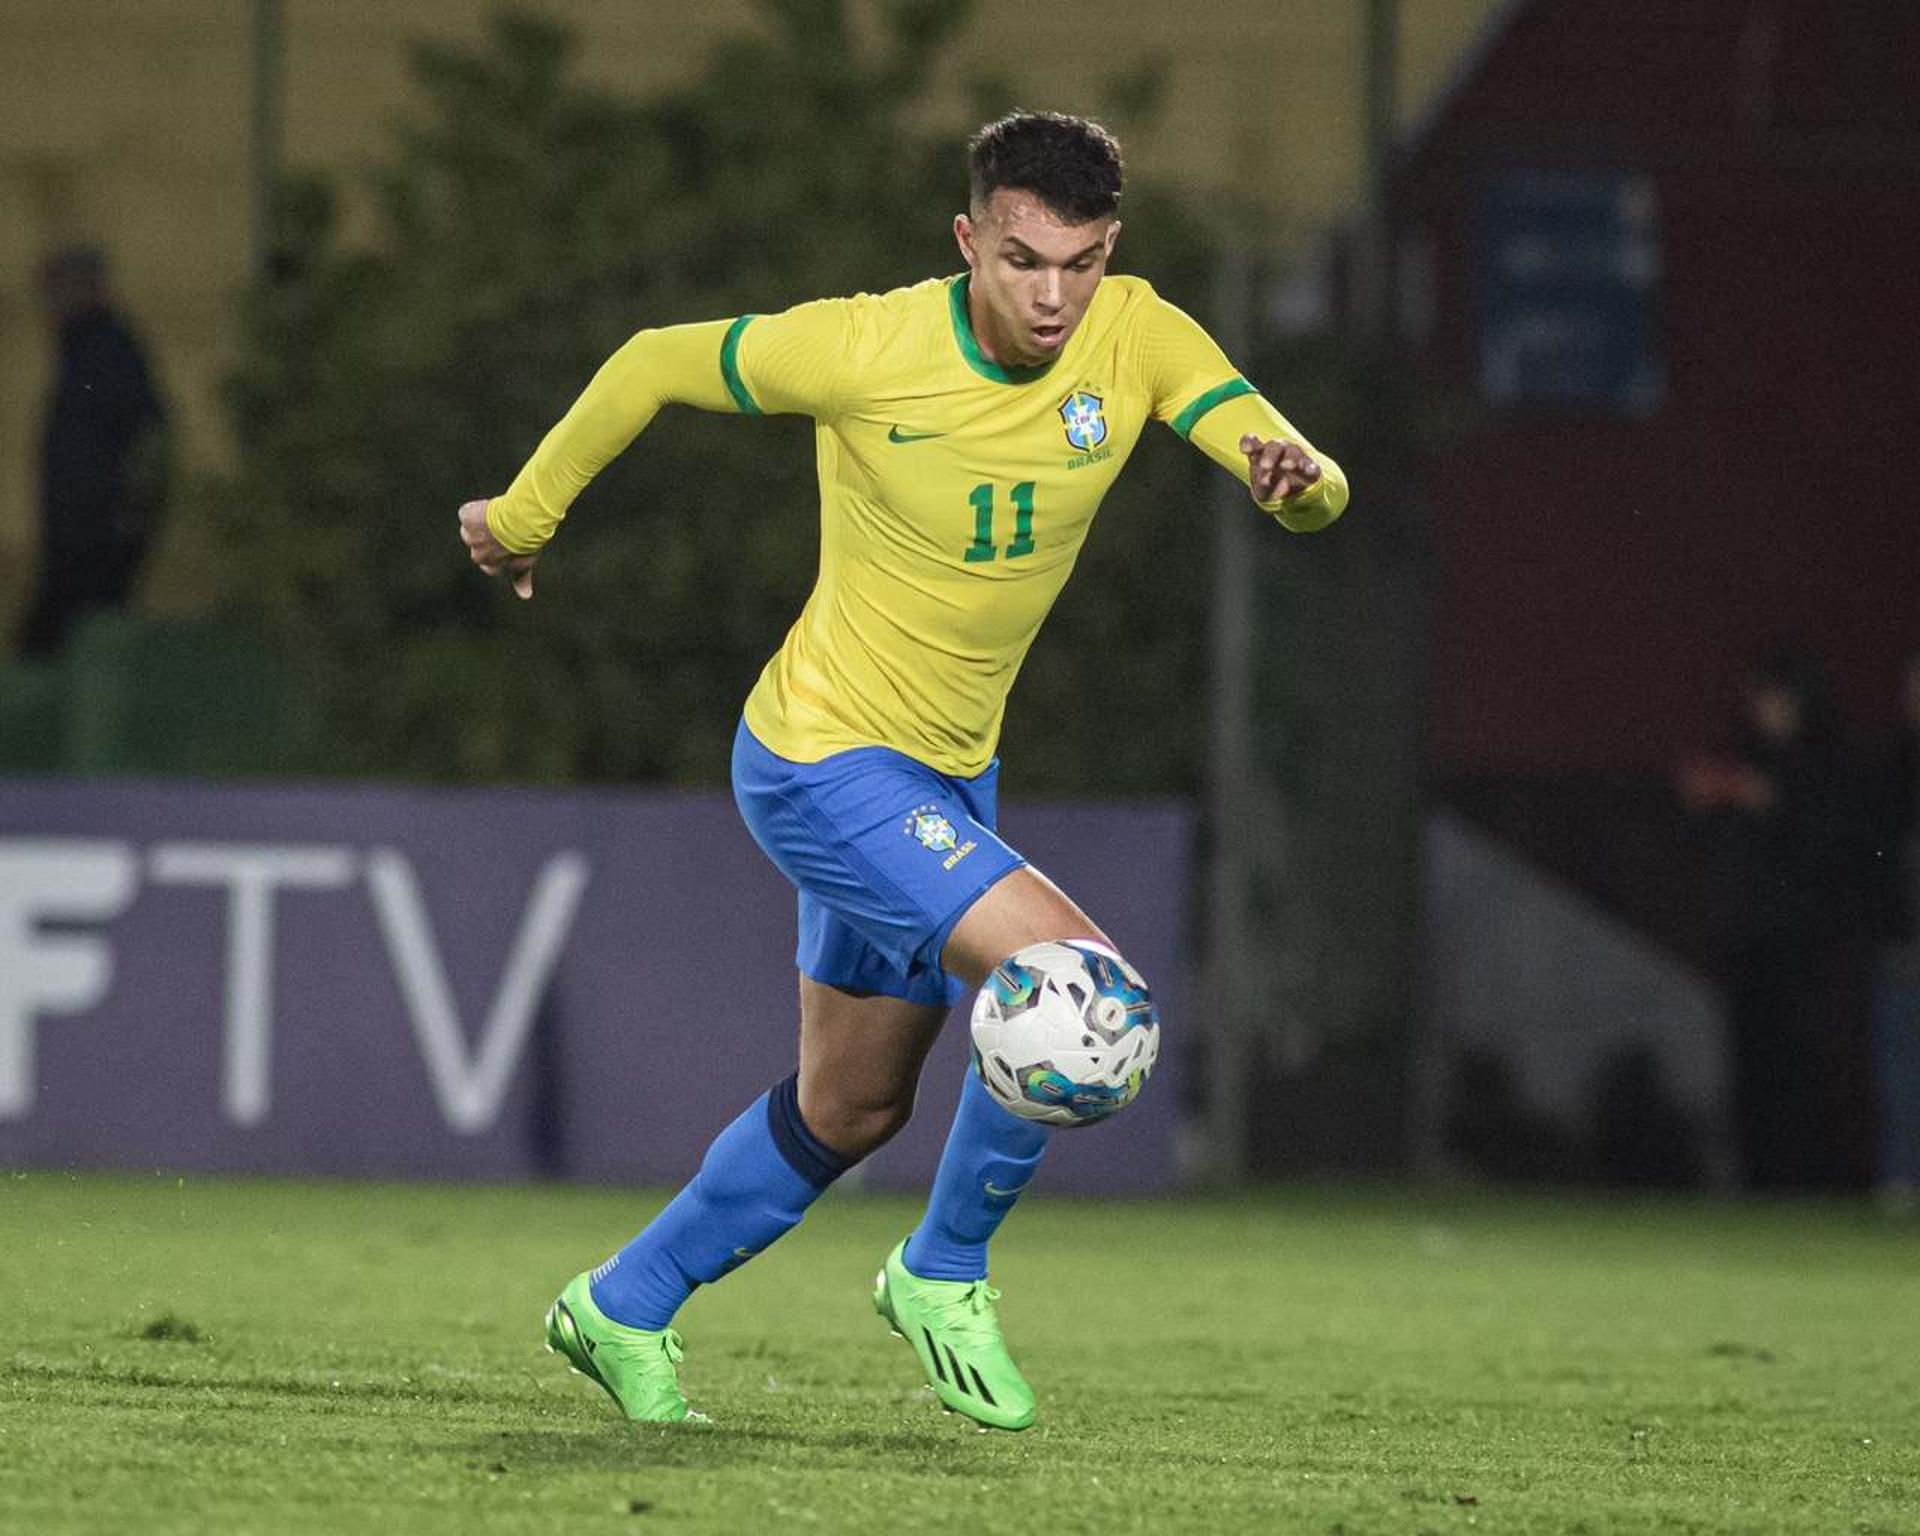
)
(1085, 417)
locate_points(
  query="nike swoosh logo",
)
(897, 436)
(1004, 1194)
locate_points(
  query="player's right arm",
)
(753, 365)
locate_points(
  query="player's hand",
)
(490, 554)
(1277, 469)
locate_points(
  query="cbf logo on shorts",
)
(928, 826)
(1085, 418)
(932, 829)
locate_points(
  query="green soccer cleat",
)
(952, 1328)
(635, 1366)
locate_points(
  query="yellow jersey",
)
(955, 493)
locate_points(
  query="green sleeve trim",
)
(1188, 419)
(730, 368)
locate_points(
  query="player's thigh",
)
(1023, 908)
(860, 1053)
(886, 853)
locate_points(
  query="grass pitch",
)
(214, 1356)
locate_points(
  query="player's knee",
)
(855, 1124)
(1024, 908)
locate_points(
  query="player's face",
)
(1033, 274)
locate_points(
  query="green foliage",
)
(1341, 708)
(526, 224)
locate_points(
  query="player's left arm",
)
(1198, 393)
(1288, 477)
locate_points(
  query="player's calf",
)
(853, 1128)
(1065, 1034)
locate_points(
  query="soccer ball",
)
(1065, 1033)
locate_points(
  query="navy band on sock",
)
(806, 1153)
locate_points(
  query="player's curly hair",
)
(1069, 163)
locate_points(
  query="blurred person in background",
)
(1781, 815)
(1896, 1000)
(103, 457)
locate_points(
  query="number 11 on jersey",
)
(980, 498)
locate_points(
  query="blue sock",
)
(755, 1183)
(990, 1155)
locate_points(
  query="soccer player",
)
(966, 430)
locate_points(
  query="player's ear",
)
(963, 235)
(1113, 235)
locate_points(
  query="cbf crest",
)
(1085, 418)
(931, 828)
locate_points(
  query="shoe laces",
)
(971, 1314)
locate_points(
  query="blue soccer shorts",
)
(887, 855)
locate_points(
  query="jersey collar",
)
(969, 344)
